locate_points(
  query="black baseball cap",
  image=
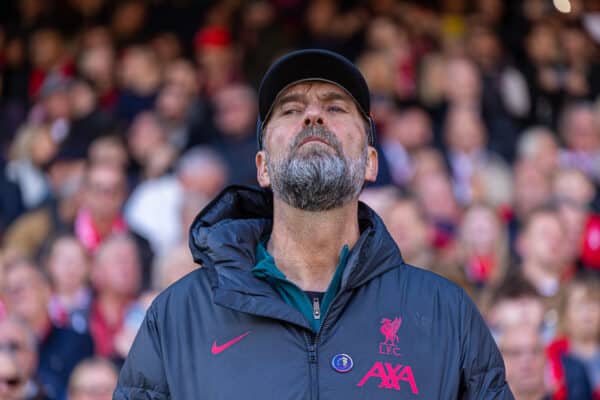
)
(310, 65)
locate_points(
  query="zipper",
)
(316, 308)
(313, 340)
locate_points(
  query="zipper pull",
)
(316, 308)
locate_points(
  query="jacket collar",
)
(223, 239)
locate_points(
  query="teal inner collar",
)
(266, 269)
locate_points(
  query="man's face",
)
(315, 156)
(523, 355)
(544, 241)
(26, 293)
(117, 269)
(105, 191)
(14, 339)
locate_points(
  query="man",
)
(303, 286)
(154, 208)
(523, 351)
(17, 338)
(27, 293)
(116, 278)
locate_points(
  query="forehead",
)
(320, 89)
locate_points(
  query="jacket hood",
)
(223, 239)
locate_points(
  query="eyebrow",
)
(301, 98)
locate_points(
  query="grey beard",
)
(316, 180)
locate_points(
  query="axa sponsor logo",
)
(390, 376)
(389, 329)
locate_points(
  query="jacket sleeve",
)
(482, 367)
(143, 375)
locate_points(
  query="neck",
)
(306, 245)
(585, 347)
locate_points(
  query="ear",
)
(372, 164)
(262, 172)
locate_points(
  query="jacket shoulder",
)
(423, 278)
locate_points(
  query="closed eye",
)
(336, 109)
(290, 111)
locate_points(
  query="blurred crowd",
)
(120, 120)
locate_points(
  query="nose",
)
(313, 116)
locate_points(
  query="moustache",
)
(320, 133)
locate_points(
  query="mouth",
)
(313, 139)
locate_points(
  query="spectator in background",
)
(538, 145)
(235, 119)
(30, 231)
(149, 147)
(116, 277)
(96, 63)
(392, 40)
(483, 253)
(218, 63)
(523, 353)
(173, 108)
(27, 293)
(93, 379)
(580, 330)
(466, 137)
(49, 57)
(167, 47)
(531, 190)
(127, 21)
(101, 216)
(573, 194)
(434, 193)
(412, 232)
(87, 121)
(516, 303)
(17, 338)
(32, 149)
(67, 266)
(154, 207)
(109, 149)
(581, 76)
(463, 90)
(580, 130)
(542, 246)
(12, 385)
(181, 73)
(405, 133)
(504, 89)
(541, 68)
(100, 213)
(53, 107)
(139, 77)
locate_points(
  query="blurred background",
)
(120, 120)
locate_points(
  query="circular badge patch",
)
(342, 363)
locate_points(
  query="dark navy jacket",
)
(397, 331)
